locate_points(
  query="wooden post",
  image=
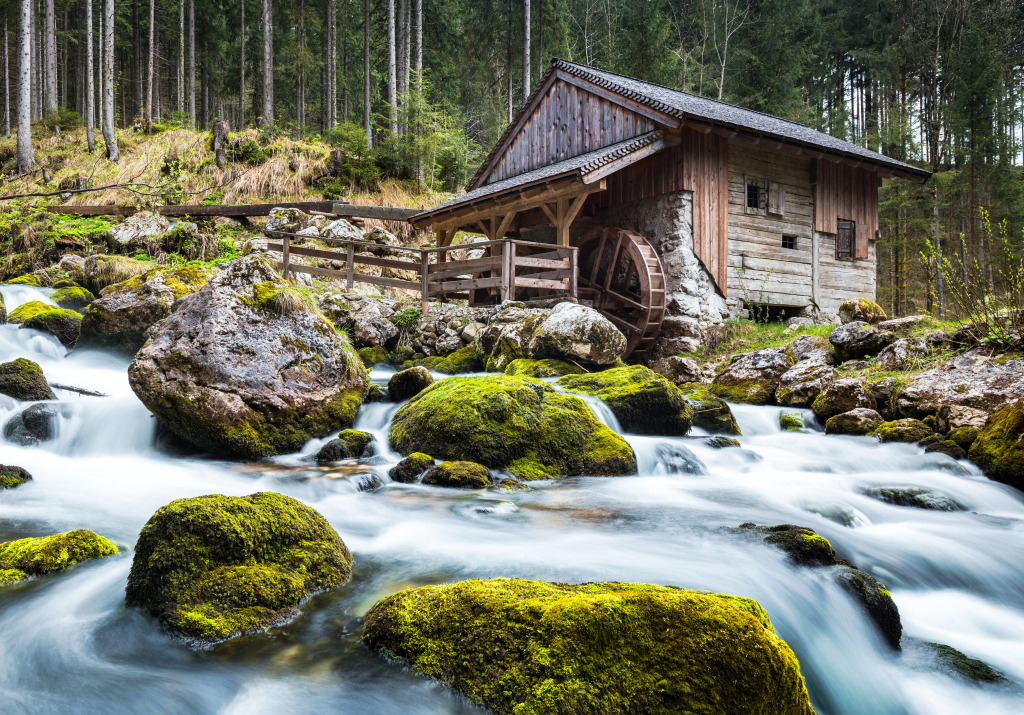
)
(424, 284)
(504, 270)
(349, 267)
(574, 270)
(511, 270)
(284, 254)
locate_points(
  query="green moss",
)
(643, 401)
(514, 423)
(72, 298)
(373, 355)
(530, 647)
(791, 421)
(970, 668)
(29, 280)
(406, 383)
(63, 324)
(525, 367)
(710, 412)
(27, 310)
(748, 393)
(804, 546)
(24, 380)
(45, 554)
(214, 567)
(999, 448)
(964, 436)
(906, 430)
(11, 477)
(409, 469)
(459, 362)
(458, 474)
(348, 444)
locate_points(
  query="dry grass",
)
(115, 269)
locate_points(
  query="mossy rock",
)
(214, 567)
(551, 367)
(860, 421)
(3, 311)
(23, 380)
(964, 436)
(459, 362)
(531, 647)
(906, 430)
(804, 546)
(409, 382)
(377, 393)
(27, 280)
(791, 421)
(27, 310)
(41, 555)
(409, 469)
(61, 323)
(999, 447)
(458, 474)
(720, 441)
(11, 477)
(916, 497)
(103, 270)
(841, 396)
(947, 447)
(73, 298)
(373, 355)
(643, 401)
(521, 425)
(349, 444)
(972, 669)
(876, 600)
(710, 412)
(861, 309)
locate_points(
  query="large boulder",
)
(23, 379)
(245, 367)
(11, 476)
(61, 323)
(507, 335)
(342, 230)
(33, 425)
(858, 339)
(643, 401)
(970, 380)
(576, 332)
(513, 645)
(861, 309)
(802, 383)
(753, 377)
(135, 229)
(38, 556)
(903, 354)
(999, 447)
(122, 317)
(858, 421)
(288, 220)
(517, 424)
(406, 383)
(841, 396)
(710, 412)
(73, 298)
(214, 567)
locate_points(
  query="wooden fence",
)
(507, 265)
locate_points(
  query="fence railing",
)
(506, 266)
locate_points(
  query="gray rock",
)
(951, 417)
(32, 425)
(135, 229)
(383, 238)
(680, 370)
(407, 383)
(905, 323)
(916, 497)
(970, 380)
(861, 309)
(576, 332)
(343, 230)
(802, 383)
(902, 354)
(753, 377)
(857, 340)
(841, 396)
(858, 421)
(287, 220)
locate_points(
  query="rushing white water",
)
(68, 644)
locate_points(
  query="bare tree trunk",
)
(26, 159)
(50, 53)
(392, 76)
(108, 83)
(268, 63)
(418, 47)
(332, 63)
(136, 57)
(407, 46)
(149, 62)
(181, 55)
(300, 104)
(64, 61)
(366, 74)
(7, 85)
(399, 48)
(540, 37)
(90, 97)
(526, 50)
(192, 63)
(241, 71)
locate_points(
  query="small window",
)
(753, 196)
(756, 195)
(789, 242)
(846, 232)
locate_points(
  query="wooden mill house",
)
(683, 209)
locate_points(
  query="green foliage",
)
(63, 117)
(358, 166)
(406, 317)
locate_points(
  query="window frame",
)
(849, 226)
(794, 240)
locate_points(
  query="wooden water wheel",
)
(621, 273)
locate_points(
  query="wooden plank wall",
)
(567, 122)
(843, 280)
(757, 262)
(850, 193)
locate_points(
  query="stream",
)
(69, 645)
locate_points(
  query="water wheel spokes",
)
(621, 273)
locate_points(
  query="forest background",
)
(417, 90)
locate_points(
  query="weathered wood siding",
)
(848, 193)
(568, 121)
(760, 269)
(843, 280)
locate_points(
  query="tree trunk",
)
(300, 104)
(90, 97)
(392, 76)
(366, 74)
(399, 49)
(26, 158)
(108, 83)
(407, 46)
(192, 63)
(526, 50)
(181, 55)
(149, 64)
(268, 63)
(7, 85)
(418, 48)
(241, 70)
(332, 63)
(50, 53)
(136, 57)
(540, 37)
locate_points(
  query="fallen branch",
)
(79, 390)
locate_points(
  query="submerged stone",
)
(791, 421)
(11, 477)
(458, 474)
(214, 567)
(876, 600)
(917, 497)
(32, 425)
(41, 555)
(710, 412)
(24, 380)
(409, 469)
(965, 666)
(349, 444)
(521, 425)
(804, 546)
(643, 401)
(612, 648)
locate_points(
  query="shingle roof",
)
(577, 165)
(684, 105)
